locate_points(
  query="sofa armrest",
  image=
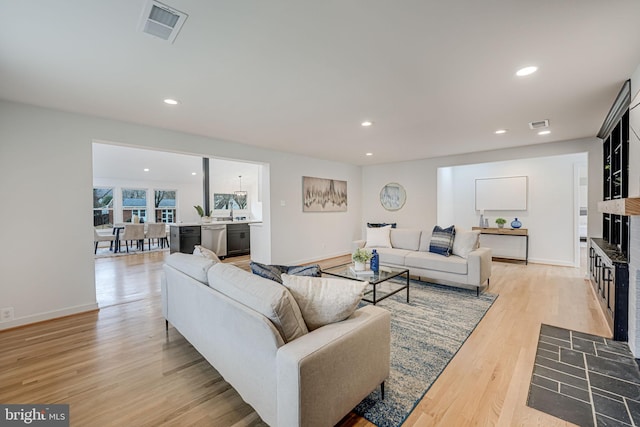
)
(327, 372)
(479, 266)
(358, 244)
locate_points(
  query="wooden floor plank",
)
(119, 366)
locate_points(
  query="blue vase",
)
(375, 261)
(516, 224)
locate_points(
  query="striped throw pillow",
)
(442, 240)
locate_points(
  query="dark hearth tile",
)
(572, 357)
(584, 345)
(604, 421)
(589, 337)
(562, 367)
(574, 392)
(555, 341)
(553, 355)
(560, 377)
(602, 352)
(548, 347)
(618, 346)
(545, 382)
(555, 332)
(614, 369)
(615, 386)
(611, 408)
(605, 393)
(634, 408)
(560, 406)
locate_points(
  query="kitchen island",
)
(225, 238)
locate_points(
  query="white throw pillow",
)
(324, 300)
(378, 237)
(465, 241)
(204, 252)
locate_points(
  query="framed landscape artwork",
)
(323, 195)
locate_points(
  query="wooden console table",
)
(518, 232)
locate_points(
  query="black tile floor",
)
(587, 380)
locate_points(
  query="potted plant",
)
(360, 258)
(501, 222)
(204, 218)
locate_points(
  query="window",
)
(229, 201)
(103, 207)
(164, 202)
(134, 202)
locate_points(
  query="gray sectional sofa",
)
(468, 266)
(248, 328)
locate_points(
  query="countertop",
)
(190, 224)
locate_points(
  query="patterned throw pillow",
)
(442, 240)
(271, 272)
(274, 272)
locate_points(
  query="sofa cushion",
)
(264, 296)
(378, 237)
(204, 252)
(404, 238)
(392, 255)
(425, 240)
(274, 272)
(465, 241)
(193, 266)
(324, 300)
(431, 261)
(442, 240)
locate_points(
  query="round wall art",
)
(393, 196)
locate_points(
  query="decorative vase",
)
(358, 266)
(375, 261)
(516, 224)
(500, 225)
(206, 219)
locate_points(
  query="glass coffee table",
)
(381, 284)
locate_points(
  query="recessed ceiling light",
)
(194, 173)
(526, 71)
(369, 154)
(171, 101)
(366, 123)
(544, 132)
(146, 169)
(501, 131)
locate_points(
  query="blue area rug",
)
(425, 335)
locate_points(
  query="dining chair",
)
(133, 232)
(97, 238)
(157, 231)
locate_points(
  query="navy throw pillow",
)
(442, 240)
(271, 272)
(274, 272)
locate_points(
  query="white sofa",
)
(409, 248)
(245, 326)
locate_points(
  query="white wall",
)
(551, 213)
(634, 243)
(420, 177)
(46, 184)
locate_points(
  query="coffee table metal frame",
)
(385, 274)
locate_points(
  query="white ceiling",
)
(436, 77)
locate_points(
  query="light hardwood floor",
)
(118, 366)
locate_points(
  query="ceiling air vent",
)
(162, 21)
(539, 125)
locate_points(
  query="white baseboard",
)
(49, 315)
(551, 262)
